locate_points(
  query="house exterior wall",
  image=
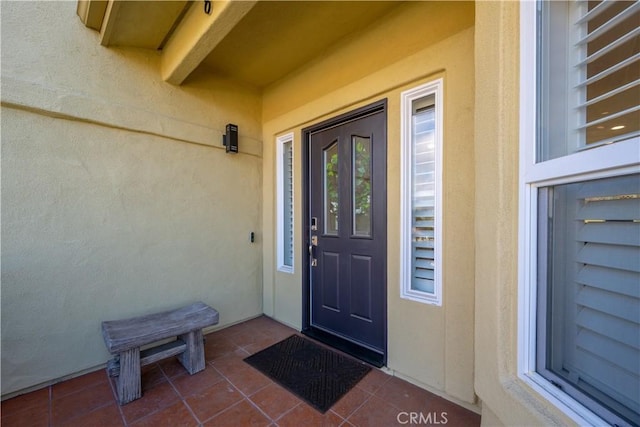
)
(505, 398)
(431, 346)
(117, 198)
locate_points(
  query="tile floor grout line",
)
(287, 412)
(168, 379)
(113, 395)
(115, 398)
(227, 409)
(50, 407)
(255, 405)
(246, 396)
(183, 399)
(370, 395)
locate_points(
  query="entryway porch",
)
(228, 392)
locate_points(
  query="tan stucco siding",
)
(428, 345)
(505, 398)
(117, 197)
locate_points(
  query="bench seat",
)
(124, 338)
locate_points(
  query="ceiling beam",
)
(109, 22)
(91, 12)
(197, 35)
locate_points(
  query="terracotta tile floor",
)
(228, 392)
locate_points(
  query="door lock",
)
(312, 252)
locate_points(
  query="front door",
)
(346, 227)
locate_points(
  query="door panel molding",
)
(373, 354)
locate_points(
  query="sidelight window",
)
(284, 148)
(421, 119)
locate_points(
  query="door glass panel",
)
(361, 191)
(331, 198)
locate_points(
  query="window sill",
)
(560, 400)
(421, 297)
(285, 269)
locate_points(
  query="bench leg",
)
(193, 357)
(129, 383)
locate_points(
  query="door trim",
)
(363, 353)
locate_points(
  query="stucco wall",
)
(505, 399)
(428, 345)
(117, 199)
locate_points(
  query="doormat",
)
(316, 374)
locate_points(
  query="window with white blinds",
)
(423, 196)
(598, 53)
(422, 153)
(285, 203)
(590, 293)
(579, 313)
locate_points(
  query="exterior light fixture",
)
(617, 127)
(230, 139)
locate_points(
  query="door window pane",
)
(331, 196)
(361, 148)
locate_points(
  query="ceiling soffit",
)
(257, 42)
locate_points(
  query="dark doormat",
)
(317, 375)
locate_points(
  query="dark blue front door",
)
(347, 230)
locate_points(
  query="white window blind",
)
(600, 55)
(287, 201)
(423, 197)
(593, 326)
(284, 204)
(608, 39)
(421, 118)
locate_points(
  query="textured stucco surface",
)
(117, 198)
(428, 345)
(505, 398)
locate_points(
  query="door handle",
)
(312, 252)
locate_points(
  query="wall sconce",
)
(230, 139)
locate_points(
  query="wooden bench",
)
(125, 337)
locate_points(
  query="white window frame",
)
(280, 195)
(616, 159)
(406, 107)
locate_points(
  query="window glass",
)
(331, 196)
(284, 203)
(587, 224)
(287, 201)
(361, 173)
(598, 55)
(421, 111)
(423, 195)
(590, 291)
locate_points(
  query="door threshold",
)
(359, 352)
